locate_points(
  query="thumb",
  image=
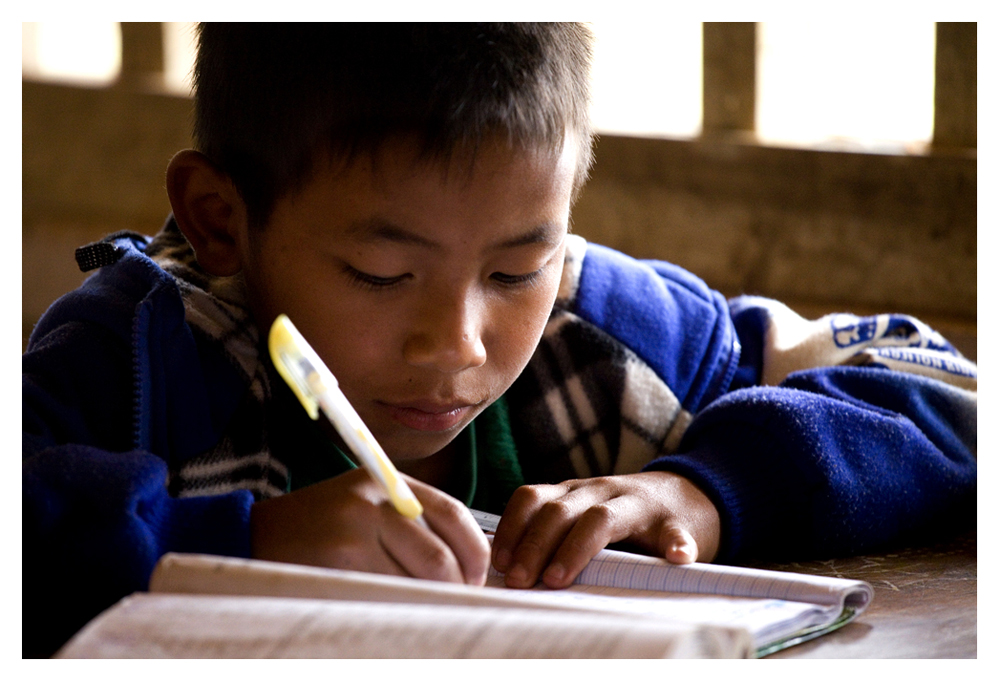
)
(678, 545)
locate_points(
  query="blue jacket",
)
(813, 438)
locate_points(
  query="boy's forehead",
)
(397, 185)
(409, 156)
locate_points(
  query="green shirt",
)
(490, 470)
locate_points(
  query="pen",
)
(316, 388)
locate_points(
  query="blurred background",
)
(831, 165)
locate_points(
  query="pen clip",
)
(291, 356)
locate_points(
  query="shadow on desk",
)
(924, 605)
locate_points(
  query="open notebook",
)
(622, 605)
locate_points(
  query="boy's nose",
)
(448, 337)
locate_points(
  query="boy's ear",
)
(208, 210)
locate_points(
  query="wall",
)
(830, 229)
(93, 162)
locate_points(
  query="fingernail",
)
(684, 549)
(501, 560)
(517, 575)
(555, 573)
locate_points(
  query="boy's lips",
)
(427, 415)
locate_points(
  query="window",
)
(846, 83)
(79, 52)
(836, 83)
(647, 78)
(89, 53)
(843, 84)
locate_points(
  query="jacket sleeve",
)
(95, 523)
(96, 513)
(839, 435)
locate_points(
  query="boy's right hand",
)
(347, 522)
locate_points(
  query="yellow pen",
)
(316, 388)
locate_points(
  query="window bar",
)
(955, 85)
(142, 55)
(730, 66)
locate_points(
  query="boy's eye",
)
(516, 280)
(373, 282)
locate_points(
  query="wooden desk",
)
(924, 605)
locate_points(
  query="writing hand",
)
(347, 522)
(552, 531)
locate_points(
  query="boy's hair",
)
(271, 99)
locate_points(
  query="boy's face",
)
(424, 288)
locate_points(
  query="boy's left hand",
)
(552, 531)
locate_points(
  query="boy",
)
(403, 193)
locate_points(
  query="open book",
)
(622, 605)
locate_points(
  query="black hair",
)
(269, 98)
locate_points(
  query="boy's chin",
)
(418, 451)
(432, 461)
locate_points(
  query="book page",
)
(200, 626)
(766, 620)
(612, 568)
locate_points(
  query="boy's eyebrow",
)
(545, 233)
(377, 229)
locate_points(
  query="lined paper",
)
(611, 568)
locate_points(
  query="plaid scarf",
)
(586, 405)
(215, 308)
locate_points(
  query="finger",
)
(545, 533)
(370, 559)
(599, 525)
(678, 546)
(452, 522)
(522, 507)
(418, 551)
